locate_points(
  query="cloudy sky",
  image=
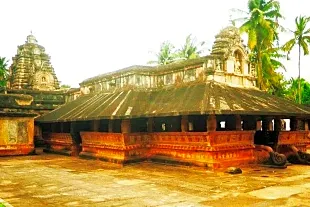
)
(89, 37)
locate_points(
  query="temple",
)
(206, 112)
(31, 74)
(31, 68)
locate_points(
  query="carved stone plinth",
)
(300, 139)
(208, 149)
(114, 147)
(293, 144)
(60, 143)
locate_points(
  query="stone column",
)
(62, 127)
(306, 125)
(95, 125)
(238, 122)
(184, 124)
(293, 124)
(300, 124)
(125, 126)
(53, 127)
(267, 124)
(258, 125)
(150, 124)
(76, 138)
(110, 126)
(211, 122)
(277, 124)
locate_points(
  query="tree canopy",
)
(3, 71)
(261, 26)
(301, 38)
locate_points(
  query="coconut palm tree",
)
(301, 39)
(166, 54)
(261, 25)
(3, 71)
(191, 49)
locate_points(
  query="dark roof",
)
(196, 98)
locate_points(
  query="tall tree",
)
(191, 49)
(301, 39)
(165, 55)
(3, 71)
(261, 25)
(293, 90)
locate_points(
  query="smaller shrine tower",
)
(31, 68)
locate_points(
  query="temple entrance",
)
(75, 129)
(268, 132)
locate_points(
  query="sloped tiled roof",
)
(199, 98)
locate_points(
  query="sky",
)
(86, 38)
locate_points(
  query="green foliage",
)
(301, 38)
(261, 25)
(191, 49)
(165, 55)
(292, 91)
(4, 73)
(64, 86)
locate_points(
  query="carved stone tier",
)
(209, 149)
(60, 143)
(293, 145)
(16, 135)
(299, 139)
(114, 147)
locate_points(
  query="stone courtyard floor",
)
(55, 180)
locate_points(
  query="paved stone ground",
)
(55, 180)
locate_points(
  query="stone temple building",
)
(31, 73)
(31, 68)
(206, 112)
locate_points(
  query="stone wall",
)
(16, 135)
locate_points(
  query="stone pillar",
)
(76, 138)
(267, 124)
(150, 124)
(53, 127)
(306, 125)
(293, 124)
(95, 125)
(125, 126)
(211, 122)
(258, 125)
(300, 124)
(184, 124)
(238, 122)
(110, 126)
(277, 124)
(62, 127)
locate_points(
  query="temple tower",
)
(31, 68)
